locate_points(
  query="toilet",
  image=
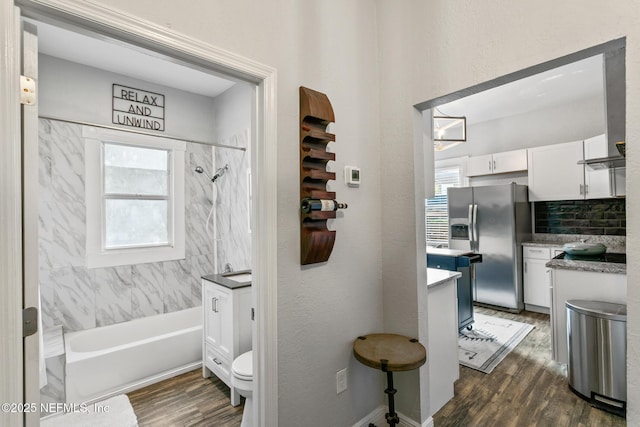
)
(242, 381)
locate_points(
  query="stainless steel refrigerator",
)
(493, 221)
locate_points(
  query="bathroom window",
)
(135, 198)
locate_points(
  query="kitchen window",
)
(134, 197)
(447, 174)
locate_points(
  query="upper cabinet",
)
(508, 161)
(601, 182)
(555, 174)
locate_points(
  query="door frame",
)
(131, 29)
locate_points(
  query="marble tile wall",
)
(79, 298)
(233, 234)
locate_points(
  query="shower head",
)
(219, 172)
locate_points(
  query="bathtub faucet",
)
(228, 268)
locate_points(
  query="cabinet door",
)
(554, 172)
(225, 314)
(211, 318)
(510, 161)
(536, 287)
(479, 165)
(599, 182)
(219, 319)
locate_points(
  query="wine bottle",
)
(309, 205)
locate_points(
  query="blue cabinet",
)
(451, 260)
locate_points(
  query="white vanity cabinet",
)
(507, 161)
(226, 328)
(537, 296)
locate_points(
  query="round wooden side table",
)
(389, 353)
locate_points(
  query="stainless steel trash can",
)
(597, 339)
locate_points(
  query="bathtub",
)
(119, 358)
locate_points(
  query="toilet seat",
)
(242, 366)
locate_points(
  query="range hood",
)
(615, 109)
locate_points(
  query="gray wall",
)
(76, 92)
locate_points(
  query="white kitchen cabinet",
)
(226, 330)
(536, 286)
(554, 172)
(536, 277)
(508, 161)
(577, 284)
(601, 183)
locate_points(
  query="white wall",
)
(570, 122)
(331, 47)
(474, 42)
(426, 49)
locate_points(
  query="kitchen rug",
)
(116, 411)
(490, 340)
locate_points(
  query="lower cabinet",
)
(442, 345)
(226, 330)
(536, 277)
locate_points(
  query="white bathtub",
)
(114, 359)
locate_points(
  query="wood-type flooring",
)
(186, 400)
(526, 389)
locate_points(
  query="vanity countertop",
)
(437, 277)
(232, 280)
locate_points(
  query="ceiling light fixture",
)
(448, 131)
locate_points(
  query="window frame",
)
(460, 163)
(97, 255)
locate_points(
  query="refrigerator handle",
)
(475, 227)
(471, 237)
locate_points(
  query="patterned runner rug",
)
(490, 340)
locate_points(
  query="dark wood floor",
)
(526, 389)
(186, 400)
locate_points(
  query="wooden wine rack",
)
(316, 241)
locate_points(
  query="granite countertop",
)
(595, 266)
(226, 279)
(540, 244)
(615, 244)
(437, 277)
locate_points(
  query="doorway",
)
(459, 104)
(175, 48)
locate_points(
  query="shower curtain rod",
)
(141, 132)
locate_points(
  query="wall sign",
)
(137, 108)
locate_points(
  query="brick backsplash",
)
(595, 217)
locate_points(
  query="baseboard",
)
(377, 417)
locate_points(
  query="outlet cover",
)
(341, 380)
